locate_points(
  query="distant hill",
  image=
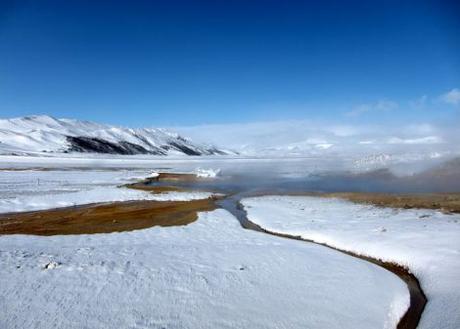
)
(41, 133)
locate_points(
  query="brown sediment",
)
(111, 217)
(154, 188)
(176, 177)
(104, 218)
(147, 184)
(446, 202)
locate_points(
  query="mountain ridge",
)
(46, 134)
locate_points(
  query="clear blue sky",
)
(163, 63)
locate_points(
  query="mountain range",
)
(40, 134)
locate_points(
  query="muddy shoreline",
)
(445, 202)
(104, 217)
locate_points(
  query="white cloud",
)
(324, 146)
(380, 106)
(421, 140)
(320, 137)
(451, 97)
(420, 129)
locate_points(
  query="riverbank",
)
(445, 202)
(104, 218)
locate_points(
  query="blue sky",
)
(168, 63)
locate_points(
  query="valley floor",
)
(212, 273)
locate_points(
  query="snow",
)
(41, 134)
(226, 165)
(207, 173)
(38, 190)
(426, 241)
(198, 172)
(209, 274)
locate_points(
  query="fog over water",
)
(327, 175)
(340, 138)
(313, 173)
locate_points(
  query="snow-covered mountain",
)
(41, 133)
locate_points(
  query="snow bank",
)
(207, 173)
(426, 241)
(38, 190)
(153, 175)
(209, 274)
(95, 195)
(198, 172)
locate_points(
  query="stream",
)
(236, 188)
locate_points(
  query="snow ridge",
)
(43, 134)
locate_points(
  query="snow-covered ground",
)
(226, 163)
(426, 241)
(209, 274)
(37, 190)
(212, 273)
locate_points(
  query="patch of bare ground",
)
(147, 184)
(175, 177)
(154, 189)
(104, 218)
(445, 202)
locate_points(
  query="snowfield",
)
(39, 190)
(213, 273)
(209, 274)
(426, 241)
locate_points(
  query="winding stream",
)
(235, 190)
(418, 299)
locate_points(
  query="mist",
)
(319, 138)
